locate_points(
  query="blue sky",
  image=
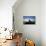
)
(29, 17)
(26, 18)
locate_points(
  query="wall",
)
(6, 13)
(6, 18)
(43, 22)
(28, 8)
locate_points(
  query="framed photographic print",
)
(29, 19)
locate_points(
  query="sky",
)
(26, 18)
(30, 17)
